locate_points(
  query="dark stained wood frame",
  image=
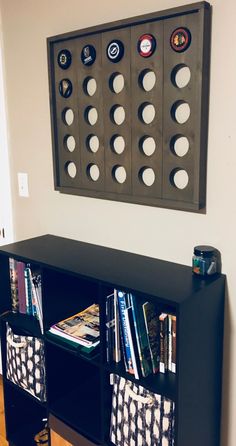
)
(197, 17)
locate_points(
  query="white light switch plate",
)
(23, 184)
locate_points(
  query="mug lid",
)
(204, 250)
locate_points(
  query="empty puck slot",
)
(179, 178)
(70, 143)
(147, 80)
(119, 174)
(148, 145)
(68, 116)
(71, 169)
(93, 143)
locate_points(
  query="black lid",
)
(204, 250)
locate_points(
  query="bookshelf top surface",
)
(167, 280)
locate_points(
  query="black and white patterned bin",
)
(26, 363)
(140, 417)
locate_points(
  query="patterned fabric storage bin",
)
(26, 364)
(140, 417)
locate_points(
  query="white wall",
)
(161, 233)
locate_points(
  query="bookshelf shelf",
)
(28, 324)
(79, 394)
(163, 384)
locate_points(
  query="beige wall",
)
(162, 233)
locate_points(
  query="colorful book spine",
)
(151, 318)
(37, 282)
(173, 331)
(21, 287)
(107, 330)
(14, 284)
(170, 342)
(132, 340)
(117, 329)
(36, 299)
(141, 337)
(122, 302)
(29, 308)
(163, 319)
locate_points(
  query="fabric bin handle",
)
(141, 399)
(16, 344)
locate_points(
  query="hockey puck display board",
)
(129, 108)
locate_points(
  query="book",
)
(35, 284)
(170, 342)
(82, 327)
(151, 318)
(141, 337)
(123, 303)
(28, 291)
(173, 332)
(87, 351)
(117, 329)
(21, 287)
(163, 318)
(110, 328)
(14, 284)
(128, 313)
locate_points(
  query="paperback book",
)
(151, 318)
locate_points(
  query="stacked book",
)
(140, 335)
(26, 292)
(80, 330)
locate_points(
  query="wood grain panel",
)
(3, 441)
(56, 440)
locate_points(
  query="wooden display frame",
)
(163, 129)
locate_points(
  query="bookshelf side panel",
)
(199, 367)
(5, 291)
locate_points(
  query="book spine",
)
(112, 327)
(166, 343)
(162, 319)
(33, 295)
(132, 340)
(127, 351)
(117, 329)
(170, 342)
(59, 332)
(122, 345)
(151, 318)
(36, 302)
(21, 287)
(141, 338)
(173, 331)
(29, 309)
(14, 284)
(109, 328)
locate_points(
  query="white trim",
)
(6, 219)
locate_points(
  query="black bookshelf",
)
(75, 275)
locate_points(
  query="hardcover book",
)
(141, 337)
(132, 341)
(123, 304)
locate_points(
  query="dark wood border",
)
(195, 200)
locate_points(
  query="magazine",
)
(82, 327)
